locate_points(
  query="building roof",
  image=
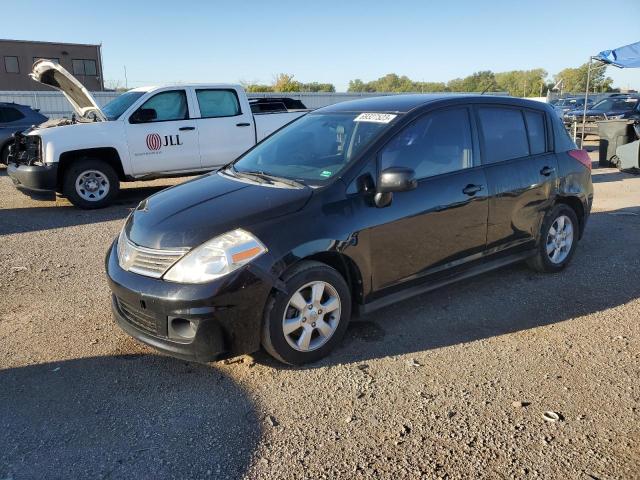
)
(51, 43)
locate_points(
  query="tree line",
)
(518, 83)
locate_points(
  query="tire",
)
(4, 155)
(301, 280)
(544, 260)
(100, 174)
(604, 164)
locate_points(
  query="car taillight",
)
(582, 156)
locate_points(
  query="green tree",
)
(522, 83)
(318, 87)
(575, 79)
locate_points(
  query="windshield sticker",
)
(631, 100)
(375, 117)
(325, 173)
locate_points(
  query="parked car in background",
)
(564, 105)
(351, 208)
(610, 108)
(15, 118)
(145, 133)
(275, 104)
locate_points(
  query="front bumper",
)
(226, 314)
(37, 178)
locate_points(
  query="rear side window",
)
(535, 127)
(434, 144)
(8, 115)
(218, 103)
(504, 134)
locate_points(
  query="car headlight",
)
(615, 117)
(217, 257)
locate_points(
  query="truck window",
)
(171, 105)
(218, 103)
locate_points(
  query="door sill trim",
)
(429, 286)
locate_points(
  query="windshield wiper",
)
(231, 170)
(270, 178)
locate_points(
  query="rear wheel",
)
(307, 322)
(90, 183)
(558, 240)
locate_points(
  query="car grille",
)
(147, 261)
(136, 317)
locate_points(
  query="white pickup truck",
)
(145, 133)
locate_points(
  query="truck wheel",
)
(90, 183)
(558, 240)
(306, 323)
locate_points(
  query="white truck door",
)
(226, 127)
(162, 136)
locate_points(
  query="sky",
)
(332, 41)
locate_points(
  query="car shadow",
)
(14, 220)
(610, 176)
(124, 417)
(602, 275)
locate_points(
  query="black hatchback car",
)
(350, 208)
(15, 118)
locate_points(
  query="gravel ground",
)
(451, 384)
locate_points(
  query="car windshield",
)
(316, 147)
(615, 104)
(118, 105)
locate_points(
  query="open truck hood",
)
(54, 75)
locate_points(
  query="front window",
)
(119, 105)
(615, 104)
(316, 147)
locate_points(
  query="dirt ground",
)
(451, 384)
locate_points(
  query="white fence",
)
(54, 105)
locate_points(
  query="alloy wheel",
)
(311, 316)
(559, 239)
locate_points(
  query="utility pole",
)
(126, 82)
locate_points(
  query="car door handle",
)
(471, 189)
(243, 124)
(546, 171)
(186, 128)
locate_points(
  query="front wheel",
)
(307, 322)
(558, 240)
(90, 184)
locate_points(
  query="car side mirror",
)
(393, 179)
(144, 115)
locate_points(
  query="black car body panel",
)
(16, 118)
(208, 206)
(438, 232)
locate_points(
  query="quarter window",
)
(11, 65)
(504, 134)
(535, 127)
(218, 103)
(84, 67)
(437, 143)
(171, 105)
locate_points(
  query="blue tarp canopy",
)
(622, 57)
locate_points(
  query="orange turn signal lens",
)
(245, 254)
